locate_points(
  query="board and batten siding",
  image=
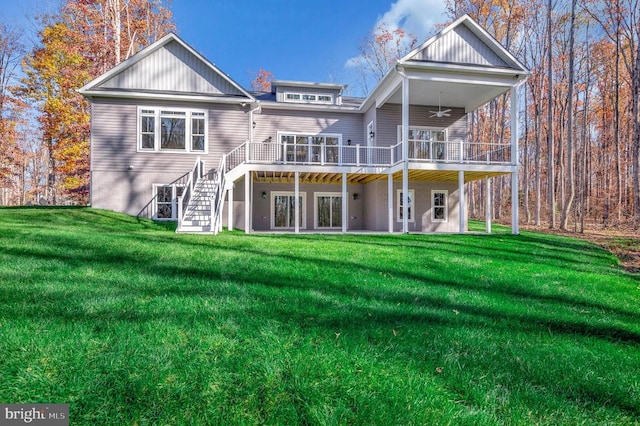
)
(122, 177)
(389, 117)
(460, 46)
(272, 121)
(172, 68)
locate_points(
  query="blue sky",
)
(294, 39)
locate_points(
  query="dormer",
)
(300, 92)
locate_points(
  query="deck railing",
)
(195, 174)
(218, 196)
(366, 156)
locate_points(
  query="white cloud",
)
(417, 17)
(414, 16)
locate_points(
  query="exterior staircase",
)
(197, 218)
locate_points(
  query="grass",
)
(130, 323)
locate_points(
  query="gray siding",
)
(376, 207)
(389, 117)
(460, 46)
(114, 152)
(369, 116)
(175, 69)
(270, 122)
(262, 206)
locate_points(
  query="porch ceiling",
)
(458, 95)
(363, 178)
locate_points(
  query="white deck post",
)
(390, 201)
(515, 226)
(230, 208)
(345, 203)
(462, 201)
(247, 202)
(405, 153)
(487, 197)
(296, 203)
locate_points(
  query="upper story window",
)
(172, 130)
(310, 98)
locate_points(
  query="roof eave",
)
(164, 97)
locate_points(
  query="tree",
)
(262, 81)
(571, 177)
(11, 114)
(380, 51)
(84, 40)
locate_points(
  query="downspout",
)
(251, 111)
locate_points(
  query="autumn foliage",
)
(84, 40)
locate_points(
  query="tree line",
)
(580, 123)
(579, 109)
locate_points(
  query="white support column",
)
(405, 153)
(345, 203)
(230, 208)
(296, 203)
(487, 197)
(515, 211)
(247, 202)
(515, 226)
(390, 201)
(462, 202)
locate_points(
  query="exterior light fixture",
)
(372, 134)
(264, 194)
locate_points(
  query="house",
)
(173, 137)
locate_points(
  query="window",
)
(439, 210)
(172, 130)
(304, 148)
(283, 210)
(400, 210)
(308, 98)
(328, 208)
(426, 143)
(166, 201)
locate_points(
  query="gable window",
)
(439, 206)
(399, 204)
(311, 98)
(172, 130)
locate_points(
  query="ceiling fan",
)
(440, 112)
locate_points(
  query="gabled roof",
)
(168, 68)
(465, 42)
(463, 61)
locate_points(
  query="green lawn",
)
(130, 323)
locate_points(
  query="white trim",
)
(301, 95)
(411, 205)
(446, 205)
(315, 208)
(479, 32)
(296, 135)
(87, 89)
(157, 115)
(273, 194)
(174, 201)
